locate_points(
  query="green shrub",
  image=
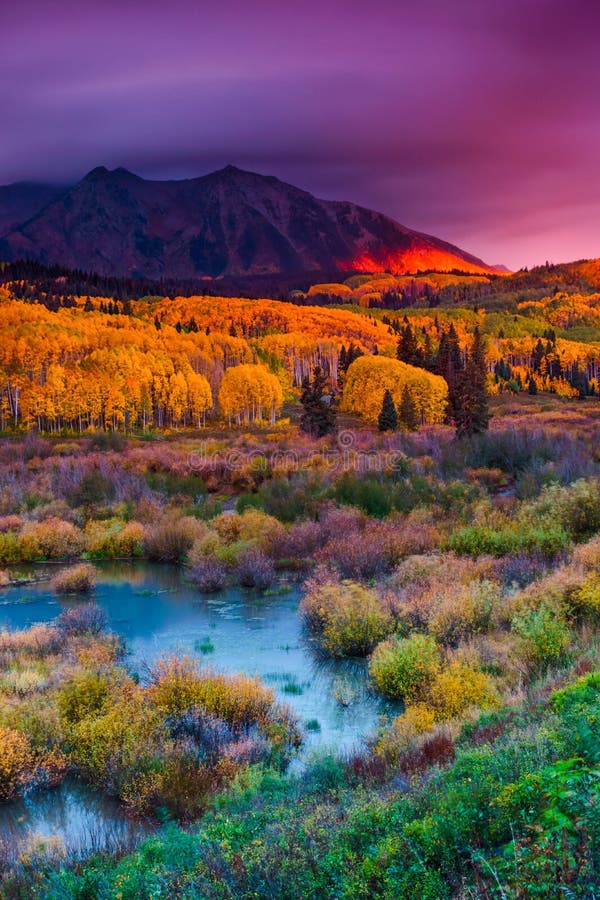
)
(349, 619)
(85, 694)
(479, 540)
(406, 667)
(544, 636)
(575, 508)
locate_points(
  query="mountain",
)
(23, 200)
(228, 223)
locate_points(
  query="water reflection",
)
(158, 614)
(71, 817)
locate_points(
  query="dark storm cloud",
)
(476, 121)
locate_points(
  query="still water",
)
(158, 614)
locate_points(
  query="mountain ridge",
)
(227, 223)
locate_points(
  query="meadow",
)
(458, 565)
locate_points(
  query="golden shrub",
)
(17, 763)
(586, 601)
(79, 579)
(114, 538)
(178, 684)
(404, 732)
(350, 619)
(460, 686)
(51, 539)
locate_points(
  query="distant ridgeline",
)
(80, 350)
(56, 286)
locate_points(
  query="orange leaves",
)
(368, 378)
(250, 393)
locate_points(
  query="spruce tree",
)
(388, 417)
(408, 349)
(472, 413)
(450, 366)
(532, 386)
(409, 414)
(318, 417)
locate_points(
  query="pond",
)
(158, 613)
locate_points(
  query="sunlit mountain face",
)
(230, 222)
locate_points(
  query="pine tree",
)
(318, 417)
(472, 413)
(388, 417)
(450, 366)
(408, 350)
(409, 415)
(532, 386)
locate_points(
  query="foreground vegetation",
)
(507, 806)
(466, 570)
(462, 564)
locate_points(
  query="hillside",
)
(228, 223)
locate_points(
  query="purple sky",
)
(475, 120)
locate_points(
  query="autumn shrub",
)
(459, 686)
(211, 735)
(264, 530)
(88, 618)
(405, 667)
(12, 551)
(543, 636)
(559, 590)
(348, 619)
(209, 575)
(171, 539)
(299, 542)
(51, 539)
(404, 732)
(521, 569)
(588, 554)
(80, 579)
(114, 538)
(17, 763)
(377, 546)
(179, 782)
(22, 679)
(10, 523)
(337, 520)
(458, 611)
(254, 569)
(228, 526)
(178, 685)
(118, 745)
(39, 640)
